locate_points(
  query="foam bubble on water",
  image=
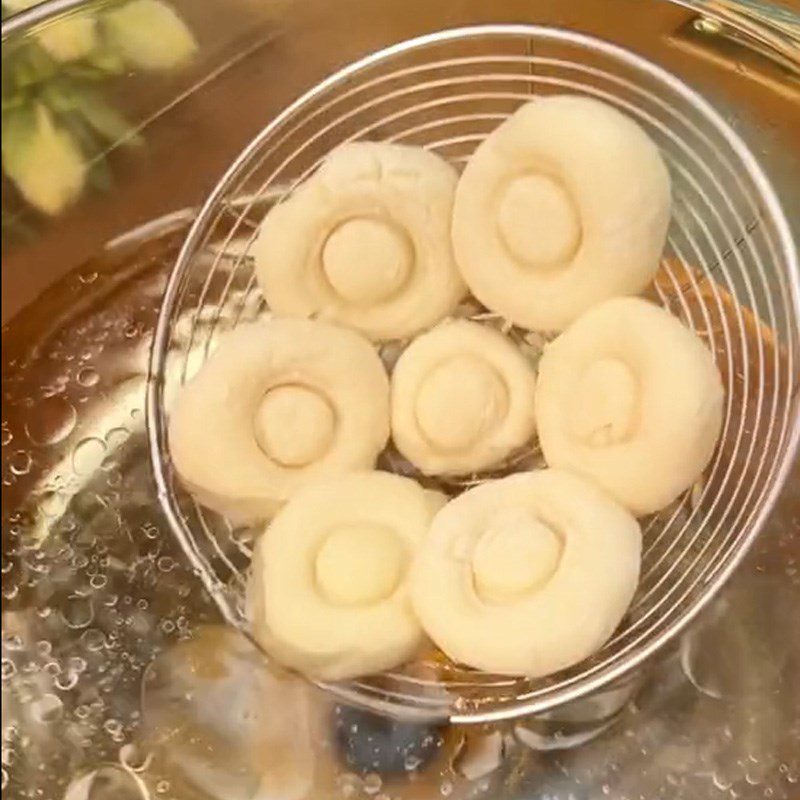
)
(88, 376)
(20, 462)
(47, 709)
(54, 420)
(88, 455)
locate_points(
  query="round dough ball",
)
(528, 574)
(365, 242)
(328, 590)
(631, 399)
(462, 399)
(278, 404)
(564, 205)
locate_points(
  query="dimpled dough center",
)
(537, 221)
(366, 260)
(459, 401)
(604, 405)
(359, 564)
(515, 555)
(294, 425)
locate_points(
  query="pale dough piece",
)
(278, 404)
(462, 399)
(632, 399)
(528, 574)
(365, 242)
(328, 590)
(564, 205)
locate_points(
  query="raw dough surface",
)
(278, 404)
(528, 574)
(562, 206)
(462, 399)
(328, 590)
(365, 242)
(631, 399)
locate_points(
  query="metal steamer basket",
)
(729, 271)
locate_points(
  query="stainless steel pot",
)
(118, 680)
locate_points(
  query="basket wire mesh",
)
(729, 271)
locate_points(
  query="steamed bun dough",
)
(279, 403)
(365, 242)
(462, 399)
(630, 398)
(528, 574)
(328, 591)
(565, 204)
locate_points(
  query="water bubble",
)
(8, 669)
(55, 419)
(112, 726)
(10, 592)
(162, 787)
(78, 612)
(20, 462)
(445, 788)
(349, 785)
(93, 640)
(107, 783)
(13, 641)
(44, 648)
(150, 531)
(77, 664)
(372, 783)
(80, 561)
(721, 783)
(88, 455)
(132, 759)
(113, 475)
(410, 763)
(6, 437)
(98, 581)
(88, 376)
(52, 668)
(88, 277)
(66, 682)
(47, 709)
(117, 437)
(166, 564)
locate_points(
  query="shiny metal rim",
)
(730, 253)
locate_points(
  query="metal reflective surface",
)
(118, 680)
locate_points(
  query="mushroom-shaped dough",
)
(328, 590)
(365, 242)
(462, 399)
(631, 399)
(528, 574)
(564, 205)
(279, 403)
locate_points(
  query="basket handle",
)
(770, 31)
